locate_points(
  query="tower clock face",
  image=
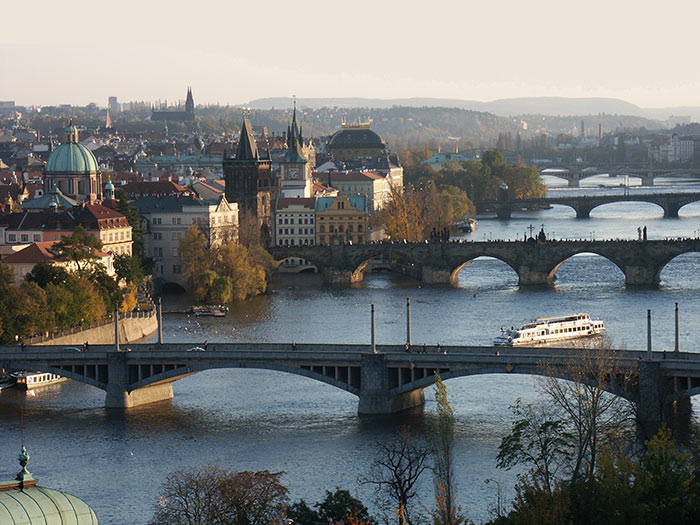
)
(293, 173)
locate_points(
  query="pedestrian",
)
(206, 343)
(439, 348)
(22, 343)
(425, 349)
(294, 345)
(407, 348)
(86, 346)
(644, 233)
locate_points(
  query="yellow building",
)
(341, 219)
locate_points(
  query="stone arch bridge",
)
(536, 263)
(385, 382)
(574, 173)
(671, 203)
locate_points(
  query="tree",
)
(341, 508)
(446, 512)
(593, 416)
(129, 268)
(666, 482)
(211, 495)
(195, 256)
(44, 273)
(536, 440)
(79, 248)
(394, 473)
(134, 219)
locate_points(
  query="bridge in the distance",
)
(573, 173)
(385, 382)
(670, 203)
(536, 263)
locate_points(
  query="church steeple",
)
(294, 141)
(189, 102)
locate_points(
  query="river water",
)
(253, 419)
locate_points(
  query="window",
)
(322, 228)
(157, 236)
(173, 252)
(25, 237)
(157, 220)
(291, 221)
(37, 237)
(158, 252)
(12, 237)
(175, 236)
(174, 220)
(177, 268)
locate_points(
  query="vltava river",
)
(252, 419)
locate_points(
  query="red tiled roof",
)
(34, 253)
(306, 202)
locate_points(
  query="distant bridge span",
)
(670, 203)
(388, 381)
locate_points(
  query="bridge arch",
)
(174, 374)
(454, 272)
(532, 370)
(551, 276)
(596, 206)
(665, 262)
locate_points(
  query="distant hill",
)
(508, 107)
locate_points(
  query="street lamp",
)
(500, 510)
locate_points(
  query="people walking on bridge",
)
(644, 233)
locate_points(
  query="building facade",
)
(177, 116)
(167, 218)
(341, 219)
(294, 222)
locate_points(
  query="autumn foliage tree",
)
(215, 496)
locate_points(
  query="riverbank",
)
(132, 327)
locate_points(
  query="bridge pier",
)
(436, 275)
(342, 276)
(118, 395)
(671, 210)
(642, 275)
(658, 403)
(375, 396)
(573, 182)
(583, 211)
(529, 276)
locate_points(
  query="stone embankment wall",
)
(132, 327)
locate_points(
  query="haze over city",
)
(237, 52)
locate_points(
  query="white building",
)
(167, 218)
(672, 149)
(294, 221)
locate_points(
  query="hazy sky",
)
(234, 51)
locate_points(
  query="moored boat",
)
(214, 310)
(548, 329)
(29, 380)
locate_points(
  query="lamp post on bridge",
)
(374, 345)
(408, 321)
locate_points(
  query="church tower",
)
(295, 171)
(189, 104)
(248, 176)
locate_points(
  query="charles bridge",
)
(536, 263)
(386, 381)
(671, 203)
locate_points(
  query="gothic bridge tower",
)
(248, 178)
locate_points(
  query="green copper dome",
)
(71, 156)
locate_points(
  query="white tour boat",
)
(548, 329)
(29, 380)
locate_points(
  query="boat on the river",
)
(548, 329)
(466, 225)
(30, 380)
(213, 310)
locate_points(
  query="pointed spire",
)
(247, 149)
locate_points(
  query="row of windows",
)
(23, 237)
(196, 220)
(291, 221)
(346, 218)
(329, 239)
(117, 236)
(290, 231)
(290, 242)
